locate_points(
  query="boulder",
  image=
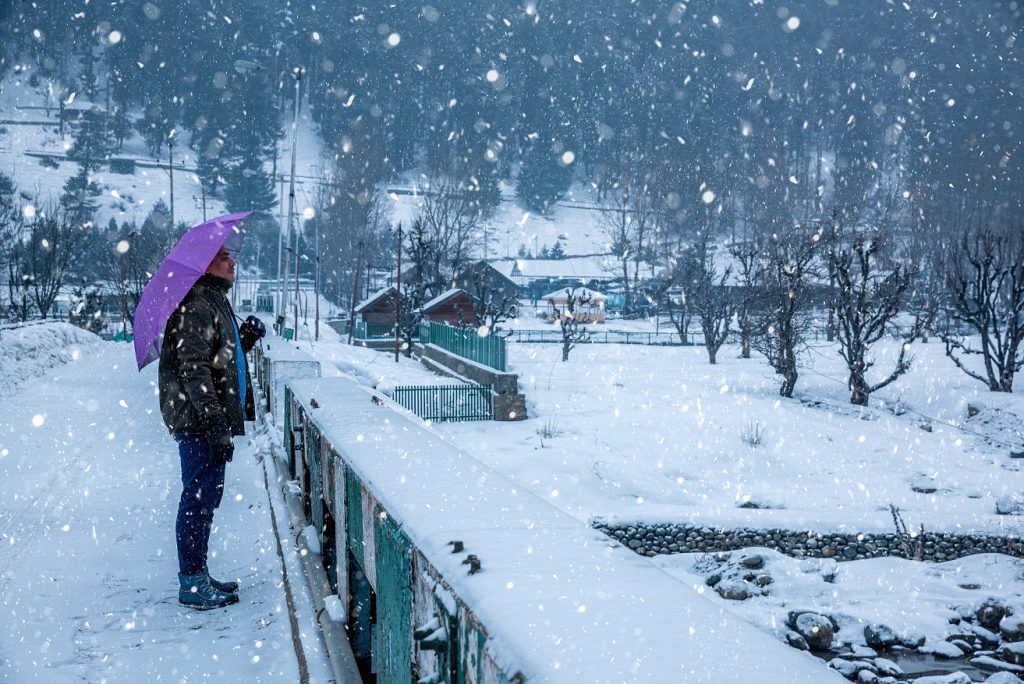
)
(990, 612)
(880, 636)
(732, 590)
(1004, 678)
(1011, 628)
(817, 629)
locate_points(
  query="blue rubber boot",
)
(226, 587)
(196, 592)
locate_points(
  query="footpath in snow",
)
(88, 585)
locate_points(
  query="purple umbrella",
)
(178, 272)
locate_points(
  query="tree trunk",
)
(859, 391)
(565, 351)
(712, 353)
(788, 384)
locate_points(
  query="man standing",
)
(205, 397)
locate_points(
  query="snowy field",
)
(86, 515)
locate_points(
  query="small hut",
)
(454, 307)
(378, 307)
(590, 311)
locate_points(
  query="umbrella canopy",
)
(178, 272)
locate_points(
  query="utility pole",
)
(355, 293)
(398, 296)
(316, 282)
(170, 165)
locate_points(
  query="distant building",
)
(484, 280)
(593, 311)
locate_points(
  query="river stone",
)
(952, 678)
(816, 629)
(1004, 678)
(732, 590)
(754, 561)
(847, 668)
(1011, 627)
(796, 641)
(1013, 653)
(965, 648)
(990, 613)
(880, 636)
(887, 667)
(1007, 504)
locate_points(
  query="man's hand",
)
(222, 449)
(253, 327)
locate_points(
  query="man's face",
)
(223, 265)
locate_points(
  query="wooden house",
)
(454, 307)
(378, 307)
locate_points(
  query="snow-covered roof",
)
(579, 292)
(441, 297)
(374, 298)
(582, 268)
(503, 266)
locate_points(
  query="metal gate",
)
(447, 402)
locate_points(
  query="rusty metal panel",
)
(340, 512)
(329, 458)
(370, 511)
(394, 643)
(433, 607)
(289, 448)
(315, 500)
(471, 648)
(354, 515)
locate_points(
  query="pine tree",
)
(543, 179)
(92, 144)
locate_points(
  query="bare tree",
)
(629, 222)
(11, 229)
(571, 321)
(450, 215)
(672, 300)
(707, 295)
(985, 282)
(491, 307)
(746, 254)
(786, 270)
(55, 237)
(867, 297)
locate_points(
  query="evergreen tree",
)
(92, 143)
(77, 199)
(543, 179)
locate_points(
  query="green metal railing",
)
(456, 403)
(489, 350)
(373, 331)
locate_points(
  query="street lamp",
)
(244, 66)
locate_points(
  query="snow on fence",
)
(433, 567)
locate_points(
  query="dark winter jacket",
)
(198, 374)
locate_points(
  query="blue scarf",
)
(240, 364)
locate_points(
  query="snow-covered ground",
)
(88, 586)
(87, 557)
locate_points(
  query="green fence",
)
(455, 403)
(373, 331)
(489, 350)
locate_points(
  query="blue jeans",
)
(202, 483)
